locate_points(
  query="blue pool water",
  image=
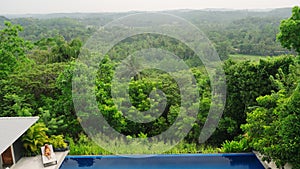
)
(183, 161)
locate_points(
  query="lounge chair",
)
(48, 158)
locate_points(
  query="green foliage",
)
(139, 90)
(289, 35)
(12, 49)
(235, 146)
(36, 29)
(273, 127)
(34, 89)
(186, 148)
(35, 137)
(249, 35)
(56, 49)
(241, 57)
(39, 80)
(14, 104)
(58, 141)
(242, 32)
(62, 106)
(262, 95)
(245, 82)
(54, 124)
(85, 146)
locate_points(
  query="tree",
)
(289, 35)
(223, 49)
(273, 127)
(12, 49)
(245, 82)
(56, 49)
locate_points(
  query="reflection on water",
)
(87, 162)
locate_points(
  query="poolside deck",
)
(36, 162)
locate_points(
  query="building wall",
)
(18, 150)
(1, 162)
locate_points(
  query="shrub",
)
(85, 146)
(58, 142)
(34, 138)
(235, 146)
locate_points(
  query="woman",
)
(47, 151)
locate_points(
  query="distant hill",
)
(67, 15)
(198, 17)
(246, 32)
(226, 16)
(215, 14)
(2, 19)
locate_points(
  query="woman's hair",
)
(47, 146)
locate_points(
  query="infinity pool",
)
(182, 161)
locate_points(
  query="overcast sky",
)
(66, 6)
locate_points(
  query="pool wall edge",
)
(163, 155)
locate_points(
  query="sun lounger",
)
(50, 158)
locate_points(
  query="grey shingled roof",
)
(11, 128)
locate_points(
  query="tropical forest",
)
(259, 51)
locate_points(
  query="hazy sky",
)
(55, 6)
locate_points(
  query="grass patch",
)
(85, 146)
(240, 57)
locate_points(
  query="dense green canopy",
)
(37, 64)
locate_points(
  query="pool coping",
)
(163, 155)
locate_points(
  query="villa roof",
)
(11, 128)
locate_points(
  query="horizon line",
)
(162, 10)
